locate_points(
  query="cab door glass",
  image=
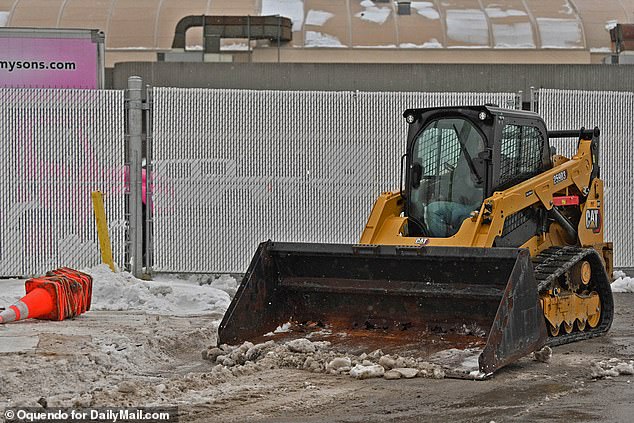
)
(521, 153)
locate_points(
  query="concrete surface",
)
(123, 358)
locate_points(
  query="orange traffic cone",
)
(62, 294)
(36, 303)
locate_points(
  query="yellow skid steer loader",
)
(492, 242)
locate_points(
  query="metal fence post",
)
(134, 156)
(149, 184)
(519, 98)
(533, 99)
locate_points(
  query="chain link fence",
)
(612, 112)
(57, 147)
(233, 168)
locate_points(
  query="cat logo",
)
(421, 241)
(593, 220)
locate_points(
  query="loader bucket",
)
(420, 300)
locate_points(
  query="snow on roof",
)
(373, 13)
(494, 24)
(560, 33)
(317, 39)
(318, 17)
(426, 9)
(4, 18)
(293, 9)
(468, 26)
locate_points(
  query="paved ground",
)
(122, 358)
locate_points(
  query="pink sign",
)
(48, 63)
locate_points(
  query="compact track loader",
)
(493, 244)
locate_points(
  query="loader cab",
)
(458, 156)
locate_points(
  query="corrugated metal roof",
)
(472, 24)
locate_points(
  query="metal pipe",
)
(574, 133)
(565, 223)
(135, 156)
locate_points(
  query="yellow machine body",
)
(528, 266)
(386, 224)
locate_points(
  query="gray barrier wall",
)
(378, 77)
(234, 168)
(613, 113)
(57, 147)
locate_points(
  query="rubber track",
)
(554, 262)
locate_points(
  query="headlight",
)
(410, 119)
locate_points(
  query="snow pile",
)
(122, 291)
(361, 371)
(611, 368)
(623, 283)
(165, 295)
(317, 357)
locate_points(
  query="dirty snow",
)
(165, 295)
(459, 362)
(622, 282)
(317, 17)
(611, 368)
(426, 9)
(360, 371)
(121, 291)
(293, 9)
(468, 26)
(543, 355)
(317, 357)
(372, 13)
(319, 39)
(286, 327)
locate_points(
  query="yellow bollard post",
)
(102, 229)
